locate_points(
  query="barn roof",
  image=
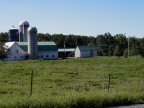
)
(42, 46)
(7, 45)
(87, 48)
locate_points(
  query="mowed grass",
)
(74, 83)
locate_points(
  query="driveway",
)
(130, 106)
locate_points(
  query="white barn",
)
(84, 51)
(19, 50)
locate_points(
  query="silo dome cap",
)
(24, 23)
(32, 29)
(13, 28)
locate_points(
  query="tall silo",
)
(23, 26)
(32, 43)
(13, 34)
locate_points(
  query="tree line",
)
(116, 45)
(71, 41)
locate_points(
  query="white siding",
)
(48, 54)
(84, 53)
(15, 53)
(77, 52)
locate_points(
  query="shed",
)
(84, 51)
(69, 52)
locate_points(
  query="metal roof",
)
(24, 23)
(67, 50)
(7, 45)
(42, 46)
(87, 48)
(13, 28)
(32, 29)
(22, 43)
(46, 43)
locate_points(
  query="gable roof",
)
(23, 45)
(7, 45)
(42, 46)
(87, 48)
(47, 46)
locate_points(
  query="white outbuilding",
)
(86, 51)
(19, 50)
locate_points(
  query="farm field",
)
(74, 83)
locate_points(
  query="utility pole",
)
(64, 49)
(128, 48)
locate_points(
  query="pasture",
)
(74, 83)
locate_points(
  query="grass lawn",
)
(74, 83)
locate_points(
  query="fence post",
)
(109, 83)
(31, 83)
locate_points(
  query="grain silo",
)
(13, 34)
(23, 26)
(32, 43)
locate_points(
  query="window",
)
(15, 57)
(21, 56)
(9, 56)
(47, 56)
(41, 56)
(53, 56)
(17, 51)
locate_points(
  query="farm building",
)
(86, 51)
(25, 46)
(19, 50)
(28, 47)
(67, 52)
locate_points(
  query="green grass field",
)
(74, 83)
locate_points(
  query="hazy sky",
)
(78, 17)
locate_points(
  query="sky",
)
(78, 17)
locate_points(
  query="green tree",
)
(4, 37)
(91, 43)
(71, 40)
(98, 52)
(125, 53)
(110, 50)
(121, 41)
(104, 41)
(91, 52)
(134, 45)
(117, 52)
(3, 49)
(141, 50)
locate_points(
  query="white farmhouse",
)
(84, 51)
(19, 50)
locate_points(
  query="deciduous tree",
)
(117, 52)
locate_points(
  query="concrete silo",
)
(32, 43)
(13, 34)
(23, 26)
